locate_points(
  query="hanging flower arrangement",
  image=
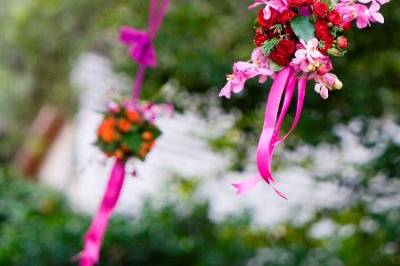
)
(295, 41)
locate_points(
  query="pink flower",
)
(325, 83)
(278, 5)
(363, 14)
(243, 71)
(306, 56)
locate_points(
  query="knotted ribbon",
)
(140, 44)
(283, 87)
(142, 51)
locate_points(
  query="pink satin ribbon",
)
(94, 236)
(142, 51)
(283, 87)
(140, 44)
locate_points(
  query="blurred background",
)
(59, 64)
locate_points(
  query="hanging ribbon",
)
(282, 87)
(140, 44)
(94, 236)
(142, 51)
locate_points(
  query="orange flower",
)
(133, 116)
(124, 125)
(107, 131)
(147, 136)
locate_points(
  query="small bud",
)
(334, 52)
(338, 84)
(342, 43)
(311, 68)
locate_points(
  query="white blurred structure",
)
(75, 166)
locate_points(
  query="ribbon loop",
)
(283, 87)
(140, 43)
(141, 48)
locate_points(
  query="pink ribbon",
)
(94, 236)
(140, 44)
(283, 87)
(141, 50)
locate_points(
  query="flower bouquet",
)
(295, 41)
(127, 132)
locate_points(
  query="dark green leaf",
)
(303, 28)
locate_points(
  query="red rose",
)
(323, 34)
(335, 18)
(320, 9)
(267, 24)
(299, 3)
(260, 38)
(283, 52)
(342, 43)
(286, 16)
(321, 29)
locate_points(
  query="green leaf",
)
(330, 3)
(274, 66)
(303, 28)
(133, 141)
(269, 45)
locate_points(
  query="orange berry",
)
(133, 116)
(106, 130)
(142, 153)
(124, 125)
(119, 154)
(147, 136)
(125, 148)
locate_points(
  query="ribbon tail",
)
(301, 92)
(285, 83)
(265, 149)
(246, 186)
(95, 234)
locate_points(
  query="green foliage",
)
(36, 228)
(269, 45)
(303, 28)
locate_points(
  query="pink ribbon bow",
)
(140, 43)
(283, 87)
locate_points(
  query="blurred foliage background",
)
(41, 39)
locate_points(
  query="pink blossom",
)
(243, 71)
(325, 83)
(278, 5)
(307, 55)
(363, 14)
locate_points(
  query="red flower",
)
(323, 34)
(283, 52)
(260, 38)
(299, 3)
(335, 18)
(286, 16)
(289, 31)
(321, 29)
(267, 24)
(320, 9)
